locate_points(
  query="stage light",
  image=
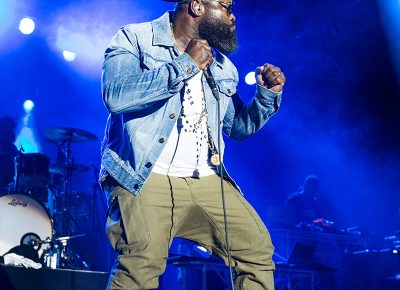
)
(27, 25)
(250, 78)
(26, 136)
(395, 251)
(28, 106)
(7, 14)
(69, 55)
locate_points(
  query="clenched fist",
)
(201, 52)
(271, 77)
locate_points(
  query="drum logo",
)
(16, 202)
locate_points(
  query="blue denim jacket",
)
(143, 79)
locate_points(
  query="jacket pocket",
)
(227, 87)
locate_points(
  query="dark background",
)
(339, 117)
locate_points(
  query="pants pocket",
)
(126, 223)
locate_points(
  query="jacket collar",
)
(162, 34)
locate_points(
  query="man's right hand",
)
(201, 52)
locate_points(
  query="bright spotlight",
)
(28, 106)
(69, 55)
(26, 137)
(27, 25)
(250, 78)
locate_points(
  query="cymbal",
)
(66, 238)
(60, 168)
(72, 135)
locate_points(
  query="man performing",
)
(160, 158)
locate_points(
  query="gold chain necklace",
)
(215, 157)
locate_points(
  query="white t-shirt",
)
(186, 151)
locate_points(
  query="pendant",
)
(215, 159)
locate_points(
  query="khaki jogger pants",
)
(141, 229)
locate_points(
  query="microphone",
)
(211, 82)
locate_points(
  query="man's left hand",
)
(271, 77)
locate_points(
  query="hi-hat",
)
(71, 135)
(60, 168)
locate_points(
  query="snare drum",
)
(23, 221)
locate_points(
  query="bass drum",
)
(23, 221)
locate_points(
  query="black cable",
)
(214, 90)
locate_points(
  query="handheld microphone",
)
(211, 82)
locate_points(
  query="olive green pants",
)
(141, 229)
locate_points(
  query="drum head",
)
(23, 220)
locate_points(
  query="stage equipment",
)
(32, 175)
(33, 202)
(330, 246)
(24, 222)
(66, 209)
(19, 278)
(63, 137)
(60, 168)
(68, 135)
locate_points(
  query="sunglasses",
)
(227, 6)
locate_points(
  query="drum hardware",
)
(63, 137)
(58, 255)
(60, 168)
(69, 135)
(67, 257)
(24, 222)
(17, 169)
(24, 218)
(32, 175)
(52, 257)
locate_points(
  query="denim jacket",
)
(142, 84)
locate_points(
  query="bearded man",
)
(161, 165)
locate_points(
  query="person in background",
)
(306, 202)
(8, 151)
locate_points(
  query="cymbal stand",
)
(65, 147)
(67, 257)
(15, 188)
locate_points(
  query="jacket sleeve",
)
(242, 120)
(127, 87)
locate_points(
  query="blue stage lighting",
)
(28, 106)
(27, 25)
(7, 12)
(250, 78)
(69, 55)
(26, 136)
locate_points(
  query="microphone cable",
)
(214, 90)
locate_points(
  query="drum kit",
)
(41, 208)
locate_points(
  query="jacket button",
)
(148, 165)
(136, 186)
(229, 91)
(161, 140)
(172, 116)
(189, 70)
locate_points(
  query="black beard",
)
(219, 35)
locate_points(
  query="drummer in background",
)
(8, 151)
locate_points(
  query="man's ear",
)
(196, 7)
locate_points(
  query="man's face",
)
(218, 28)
